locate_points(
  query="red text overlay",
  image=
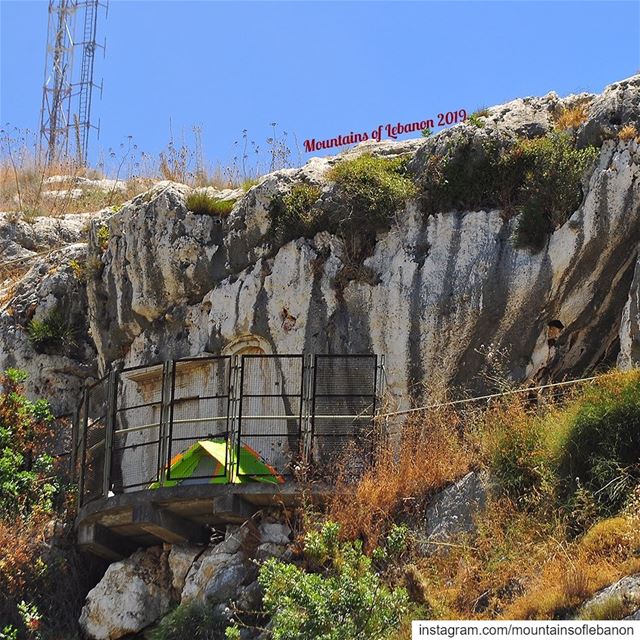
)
(383, 131)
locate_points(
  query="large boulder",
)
(133, 594)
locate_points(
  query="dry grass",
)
(428, 456)
(628, 132)
(572, 117)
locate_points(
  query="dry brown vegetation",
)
(571, 117)
(543, 544)
(399, 481)
(628, 132)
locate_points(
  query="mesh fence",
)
(270, 415)
(259, 402)
(135, 454)
(344, 403)
(93, 458)
(199, 411)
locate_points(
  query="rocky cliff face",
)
(435, 293)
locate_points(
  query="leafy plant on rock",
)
(343, 599)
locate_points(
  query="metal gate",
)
(200, 393)
(94, 420)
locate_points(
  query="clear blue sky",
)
(317, 68)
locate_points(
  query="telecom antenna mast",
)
(65, 116)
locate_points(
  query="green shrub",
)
(191, 621)
(515, 460)
(551, 189)
(291, 213)
(203, 204)
(102, 236)
(345, 600)
(601, 445)
(25, 469)
(475, 120)
(372, 189)
(540, 178)
(50, 332)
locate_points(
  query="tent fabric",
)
(206, 462)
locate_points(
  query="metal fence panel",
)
(199, 411)
(135, 459)
(94, 440)
(270, 410)
(344, 404)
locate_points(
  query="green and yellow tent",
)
(204, 462)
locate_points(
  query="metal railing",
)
(295, 411)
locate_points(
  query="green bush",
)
(203, 204)
(191, 621)
(50, 332)
(515, 460)
(291, 213)
(600, 449)
(551, 189)
(372, 189)
(344, 600)
(25, 469)
(539, 178)
(102, 236)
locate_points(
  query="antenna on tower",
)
(65, 115)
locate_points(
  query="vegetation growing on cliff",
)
(539, 178)
(561, 520)
(42, 584)
(371, 190)
(203, 204)
(291, 213)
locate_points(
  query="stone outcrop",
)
(453, 511)
(440, 289)
(133, 594)
(434, 293)
(626, 592)
(52, 254)
(137, 592)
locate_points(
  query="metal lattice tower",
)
(65, 117)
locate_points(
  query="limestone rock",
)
(224, 584)
(205, 568)
(440, 289)
(181, 558)
(626, 589)
(276, 533)
(454, 509)
(133, 594)
(58, 368)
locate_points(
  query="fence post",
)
(307, 374)
(166, 418)
(234, 395)
(83, 443)
(110, 425)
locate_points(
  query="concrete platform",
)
(114, 527)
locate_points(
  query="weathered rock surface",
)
(176, 284)
(454, 509)
(133, 594)
(626, 590)
(57, 368)
(137, 592)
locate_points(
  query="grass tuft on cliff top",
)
(202, 203)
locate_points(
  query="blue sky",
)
(317, 68)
